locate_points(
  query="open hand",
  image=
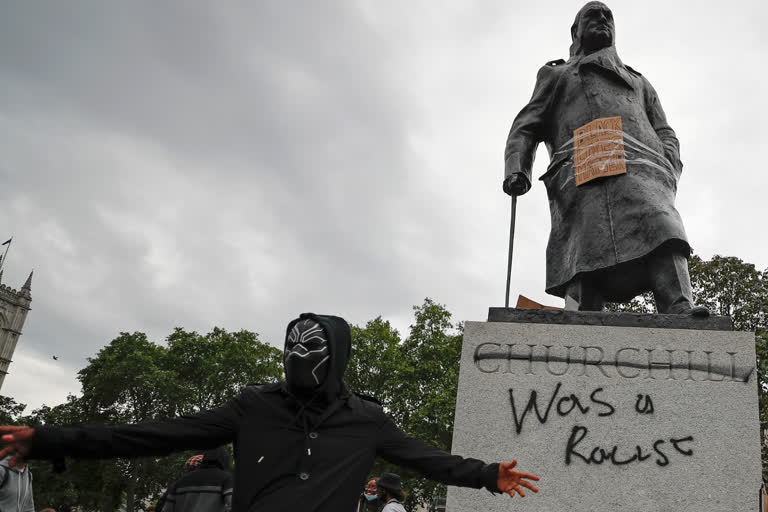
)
(19, 441)
(512, 481)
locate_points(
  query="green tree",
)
(10, 410)
(416, 380)
(133, 379)
(128, 382)
(211, 369)
(91, 484)
(374, 360)
(428, 382)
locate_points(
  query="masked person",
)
(369, 499)
(615, 233)
(304, 444)
(390, 493)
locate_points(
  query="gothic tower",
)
(14, 306)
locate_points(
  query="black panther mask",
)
(307, 355)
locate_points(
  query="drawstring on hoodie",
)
(302, 419)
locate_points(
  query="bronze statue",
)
(612, 177)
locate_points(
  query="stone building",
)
(14, 306)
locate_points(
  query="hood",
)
(218, 457)
(340, 343)
(6, 463)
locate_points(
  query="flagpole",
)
(8, 243)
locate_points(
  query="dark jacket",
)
(291, 453)
(608, 221)
(206, 489)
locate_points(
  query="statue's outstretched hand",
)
(515, 184)
(19, 441)
(512, 481)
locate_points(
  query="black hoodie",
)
(311, 454)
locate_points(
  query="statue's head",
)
(593, 29)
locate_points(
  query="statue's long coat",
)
(612, 220)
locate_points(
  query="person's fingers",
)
(529, 485)
(10, 429)
(19, 434)
(529, 476)
(520, 491)
(511, 493)
(512, 464)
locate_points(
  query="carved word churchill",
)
(626, 362)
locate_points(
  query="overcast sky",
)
(232, 164)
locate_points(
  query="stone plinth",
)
(611, 418)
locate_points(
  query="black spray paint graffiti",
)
(644, 404)
(628, 362)
(566, 404)
(599, 455)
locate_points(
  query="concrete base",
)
(611, 418)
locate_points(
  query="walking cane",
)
(511, 246)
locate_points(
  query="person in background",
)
(15, 487)
(191, 464)
(390, 493)
(205, 489)
(369, 499)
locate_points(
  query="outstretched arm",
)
(399, 448)
(207, 429)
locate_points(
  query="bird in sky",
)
(55, 358)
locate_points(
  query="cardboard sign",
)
(598, 150)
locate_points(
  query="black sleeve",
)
(529, 126)
(658, 120)
(397, 447)
(204, 430)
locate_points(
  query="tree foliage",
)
(416, 379)
(133, 379)
(10, 409)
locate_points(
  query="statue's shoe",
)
(699, 311)
(690, 309)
